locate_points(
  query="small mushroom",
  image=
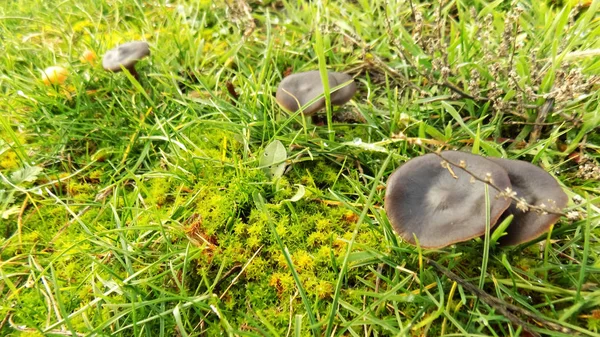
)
(88, 56)
(54, 75)
(125, 56)
(440, 203)
(297, 90)
(538, 188)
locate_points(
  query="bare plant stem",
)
(530, 123)
(546, 109)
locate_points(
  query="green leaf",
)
(25, 174)
(450, 109)
(273, 159)
(501, 229)
(6, 198)
(179, 322)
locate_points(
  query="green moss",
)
(283, 190)
(256, 269)
(29, 306)
(159, 191)
(283, 283)
(46, 219)
(223, 199)
(29, 334)
(303, 261)
(81, 190)
(321, 288)
(317, 239)
(593, 321)
(9, 160)
(324, 175)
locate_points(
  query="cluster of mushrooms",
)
(438, 198)
(124, 56)
(295, 92)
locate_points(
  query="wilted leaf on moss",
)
(358, 143)
(273, 159)
(25, 174)
(299, 194)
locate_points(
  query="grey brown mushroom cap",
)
(537, 187)
(442, 204)
(297, 90)
(125, 55)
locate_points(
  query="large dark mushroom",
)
(440, 203)
(537, 188)
(125, 56)
(297, 90)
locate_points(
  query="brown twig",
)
(232, 93)
(230, 272)
(462, 93)
(503, 307)
(20, 220)
(531, 123)
(4, 321)
(546, 109)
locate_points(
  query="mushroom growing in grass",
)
(125, 56)
(297, 90)
(88, 56)
(54, 75)
(537, 188)
(440, 204)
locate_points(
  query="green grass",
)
(146, 208)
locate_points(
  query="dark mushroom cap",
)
(537, 187)
(125, 55)
(440, 203)
(304, 87)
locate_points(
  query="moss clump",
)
(8, 160)
(283, 283)
(46, 220)
(27, 309)
(159, 191)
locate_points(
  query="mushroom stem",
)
(134, 72)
